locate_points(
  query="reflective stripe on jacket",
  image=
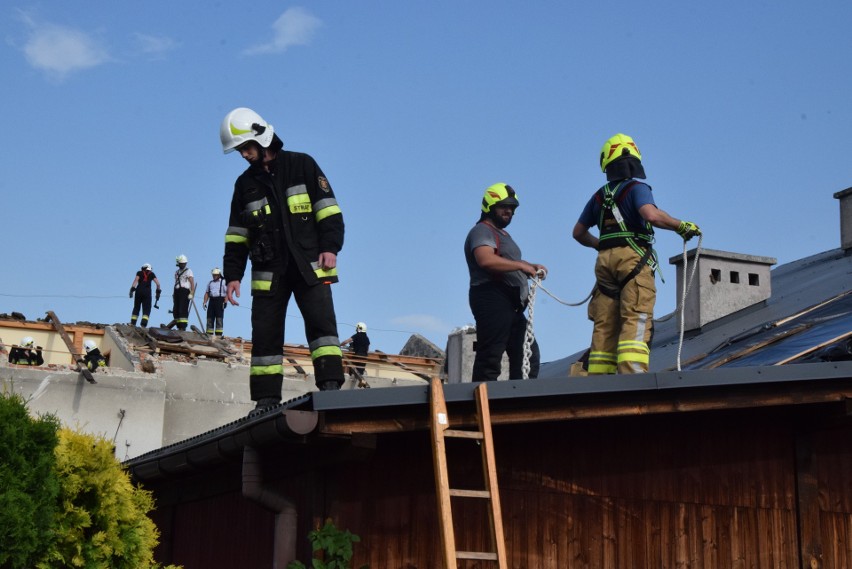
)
(288, 215)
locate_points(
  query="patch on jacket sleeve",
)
(323, 184)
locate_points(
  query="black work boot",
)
(264, 404)
(329, 386)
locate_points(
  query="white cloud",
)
(424, 322)
(59, 50)
(154, 45)
(296, 26)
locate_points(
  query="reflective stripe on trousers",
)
(268, 311)
(623, 327)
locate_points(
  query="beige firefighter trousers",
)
(623, 326)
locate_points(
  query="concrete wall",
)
(118, 359)
(141, 411)
(124, 408)
(202, 396)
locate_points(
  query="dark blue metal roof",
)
(808, 317)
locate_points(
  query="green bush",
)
(336, 547)
(65, 500)
(28, 483)
(102, 521)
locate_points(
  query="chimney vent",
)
(845, 197)
(723, 283)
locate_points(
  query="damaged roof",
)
(807, 320)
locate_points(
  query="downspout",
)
(284, 539)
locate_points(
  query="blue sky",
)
(111, 155)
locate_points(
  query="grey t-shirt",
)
(483, 234)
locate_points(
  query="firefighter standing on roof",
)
(141, 287)
(498, 288)
(622, 305)
(360, 344)
(214, 303)
(284, 216)
(183, 293)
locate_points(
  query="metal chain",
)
(529, 335)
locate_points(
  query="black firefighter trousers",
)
(141, 299)
(500, 327)
(268, 310)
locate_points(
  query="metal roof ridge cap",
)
(757, 374)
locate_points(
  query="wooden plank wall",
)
(219, 532)
(689, 491)
(834, 481)
(716, 491)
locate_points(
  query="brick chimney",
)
(845, 197)
(723, 284)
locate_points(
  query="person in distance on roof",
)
(141, 287)
(214, 303)
(26, 354)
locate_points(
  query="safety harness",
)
(614, 232)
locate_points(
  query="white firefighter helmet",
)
(216, 271)
(180, 259)
(89, 345)
(360, 327)
(146, 267)
(242, 125)
(27, 342)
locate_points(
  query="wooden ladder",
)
(78, 358)
(440, 429)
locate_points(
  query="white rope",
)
(683, 294)
(686, 286)
(535, 284)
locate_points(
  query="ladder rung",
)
(463, 434)
(470, 493)
(485, 555)
(481, 433)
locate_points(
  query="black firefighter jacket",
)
(289, 215)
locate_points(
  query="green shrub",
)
(65, 500)
(102, 521)
(28, 483)
(335, 545)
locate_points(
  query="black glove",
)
(132, 290)
(157, 295)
